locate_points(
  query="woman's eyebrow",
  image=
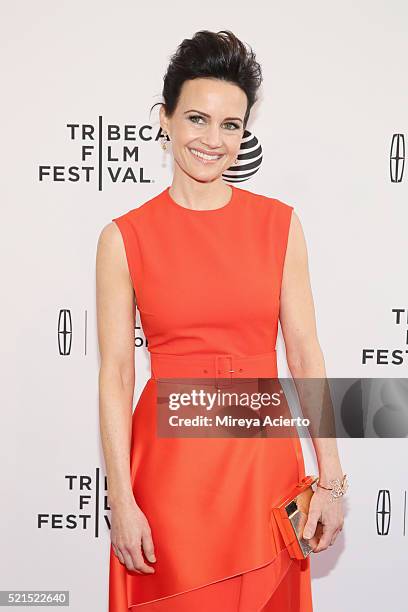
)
(205, 115)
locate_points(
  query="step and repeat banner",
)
(81, 146)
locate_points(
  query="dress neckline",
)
(207, 211)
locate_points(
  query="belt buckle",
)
(218, 371)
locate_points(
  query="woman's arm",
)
(305, 360)
(116, 310)
(303, 352)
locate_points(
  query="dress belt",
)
(225, 366)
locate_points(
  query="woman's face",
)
(208, 118)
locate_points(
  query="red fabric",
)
(207, 283)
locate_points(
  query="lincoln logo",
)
(64, 332)
(249, 160)
(383, 512)
(397, 158)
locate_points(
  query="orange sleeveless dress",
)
(207, 285)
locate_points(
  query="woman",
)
(211, 269)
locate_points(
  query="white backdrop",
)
(334, 95)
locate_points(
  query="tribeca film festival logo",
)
(65, 333)
(89, 509)
(109, 152)
(387, 356)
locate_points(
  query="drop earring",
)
(163, 141)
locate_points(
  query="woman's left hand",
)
(325, 519)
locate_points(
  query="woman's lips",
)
(205, 161)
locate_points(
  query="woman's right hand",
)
(130, 531)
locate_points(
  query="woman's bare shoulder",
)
(109, 234)
(111, 254)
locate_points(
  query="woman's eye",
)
(193, 117)
(235, 126)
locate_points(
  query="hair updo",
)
(219, 55)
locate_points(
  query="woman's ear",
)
(163, 119)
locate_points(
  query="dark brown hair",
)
(219, 55)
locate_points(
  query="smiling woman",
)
(192, 521)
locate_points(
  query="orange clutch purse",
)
(291, 516)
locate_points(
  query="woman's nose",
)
(212, 137)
